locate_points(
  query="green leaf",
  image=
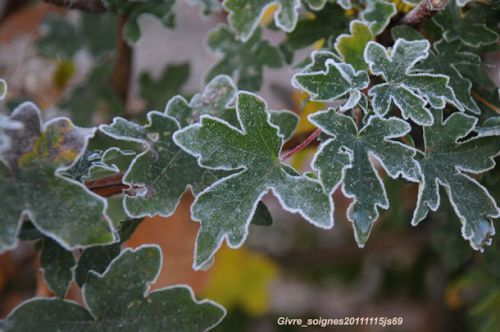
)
(63, 38)
(378, 14)
(445, 162)
(468, 26)
(57, 265)
(245, 61)
(286, 121)
(158, 92)
(491, 127)
(3, 89)
(215, 99)
(31, 187)
(352, 47)
(244, 16)
(409, 90)
(337, 81)
(327, 24)
(119, 300)
(225, 209)
(346, 158)
(444, 59)
(132, 10)
(93, 96)
(316, 4)
(98, 258)
(163, 172)
(209, 6)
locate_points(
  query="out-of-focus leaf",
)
(243, 61)
(378, 14)
(158, 92)
(62, 209)
(57, 265)
(244, 16)
(352, 47)
(132, 10)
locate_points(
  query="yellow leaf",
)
(241, 278)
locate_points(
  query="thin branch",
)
(93, 6)
(122, 68)
(302, 145)
(425, 10)
(485, 102)
(107, 186)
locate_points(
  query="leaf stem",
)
(302, 145)
(423, 11)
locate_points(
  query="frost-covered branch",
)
(425, 10)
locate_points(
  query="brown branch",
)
(122, 68)
(302, 145)
(93, 6)
(485, 102)
(425, 10)
(107, 186)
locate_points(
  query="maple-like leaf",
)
(244, 61)
(57, 265)
(378, 14)
(446, 162)
(469, 27)
(447, 58)
(409, 90)
(244, 16)
(132, 10)
(326, 25)
(157, 92)
(215, 99)
(490, 127)
(163, 172)
(62, 209)
(119, 299)
(337, 81)
(252, 149)
(347, 159)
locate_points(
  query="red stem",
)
(302, 145)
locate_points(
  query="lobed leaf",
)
(378, 14)
(409, 90)
(31, 186)
(445, 162)
(226, 208)
(337, 81)
(469, 27)
(119, 299)
(352, 47)
(348, 158)
(244, 16)
(243, 60)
